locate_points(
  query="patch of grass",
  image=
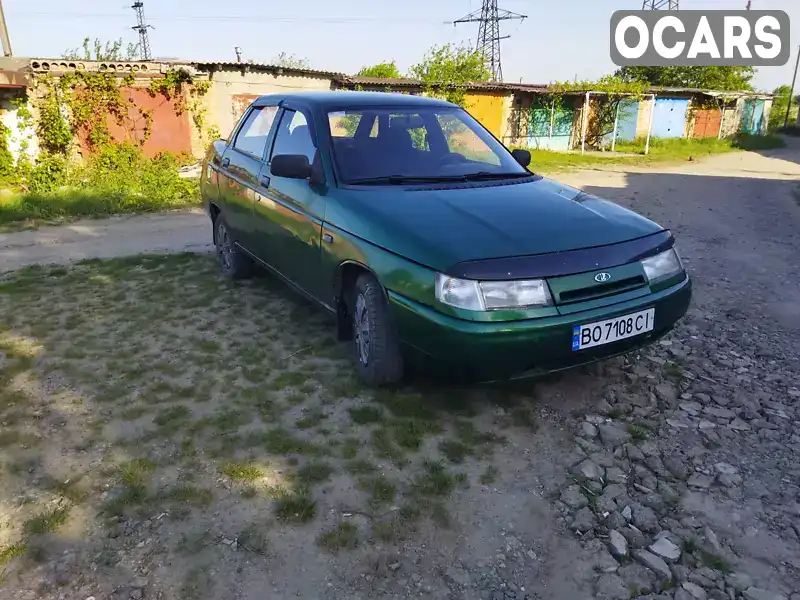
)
(350, 447)
(9, 553)
(169, 420)
(288, 379)
(454, 451)
(342, 537)
(314, 472)
(46, 521)
(11, 437)
(132, 413)
(381, 489)
(406, 406)
(385, 447)
(310, 419)
(136, 471)
(188, 494)
(410, 433)
(131, 495)
(254, 538)
(714, 561)
(245, 472)
(436, 481)
(360, 466)
(296, 506)
(638, 431)
(366, 415)
(279, 441)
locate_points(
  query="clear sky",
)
(560, 39)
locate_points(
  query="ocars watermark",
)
(746, 38)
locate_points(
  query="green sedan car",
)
(431, 243)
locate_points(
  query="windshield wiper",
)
(493, 175)
(400, 179)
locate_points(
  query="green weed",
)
(343, 537)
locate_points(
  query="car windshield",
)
(398, 145)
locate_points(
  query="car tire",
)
(375, 348)
(232, 260)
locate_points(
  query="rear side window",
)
(252, 137)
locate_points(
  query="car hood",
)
(441, 227)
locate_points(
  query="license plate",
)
(611, 330)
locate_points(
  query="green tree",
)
(290, 61)
(705, 78)
(98, 50)
(779, 104)
(445, 71)
(384, 70)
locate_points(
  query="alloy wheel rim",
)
(224, 248)
(362, 332)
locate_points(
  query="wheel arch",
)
(347, 274)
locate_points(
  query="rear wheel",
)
(375, 347)
(233, 261)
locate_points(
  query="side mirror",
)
(523, 157)
(292, 166)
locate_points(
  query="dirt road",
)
(184, 231)
(672, 474)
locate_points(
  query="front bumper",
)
(507, 350)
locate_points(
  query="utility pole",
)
(489, 17)
(4, 32)
(791, 92)
(659, 4)
(142, 27)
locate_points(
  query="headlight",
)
(663, 265)
(491, 295)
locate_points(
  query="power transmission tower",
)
(659, 4)
(489, 17)
(142, 27)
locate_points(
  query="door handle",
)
(327, 238)
(264, 180)
(226, 162)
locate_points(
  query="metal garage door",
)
(669, 118)
(707, 122)
(753, 116)
(542, 118)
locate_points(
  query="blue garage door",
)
(539, 126)
(669, 118)
(628, 115)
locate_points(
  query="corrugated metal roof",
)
(416, 83)
(265, 67)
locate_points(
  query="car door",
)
(289, 215)
(240, 168)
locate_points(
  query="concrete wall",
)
(221, 103)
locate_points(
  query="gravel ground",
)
(670, 474)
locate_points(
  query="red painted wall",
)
(170, 132)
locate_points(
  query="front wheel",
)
(376, 350)
(233, 261)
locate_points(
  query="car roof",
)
(339, 99)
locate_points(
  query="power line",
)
(236, 18)
(489, 17)
(142, 27)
